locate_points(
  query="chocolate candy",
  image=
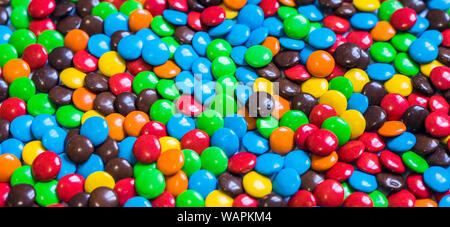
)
(45, 78)
(287, 88)
(304, 2)
(103, 197)
(92, 25)
(347, 55)
(414, 118)
(60, 58)
(21, 195)
(287, 58)
(84, 7)
(79, 149)
(60, 95)
(425, 144)
(438, 19)
(104, 103)
(310, 180)
(146, 98)
(272, 200)
(346, 9)
(391, 182)
(125, 103)
(68, 23)
(4, 90)
(270, 72)
(260, 104)
(330, 4)
(210, 2)
(80, 199)
(422, 85)
(375, 117)
(444, 56)
(304, 102)
(364, 61)
(440, 157)
(184, 34)
(119, 168)
(116, 37)
(96, 82)
(5, 2)
(63, 9)
(70, 134)
(195, 5)
(375, 91)
(416, 5)
(230, 184)
(3, 16)
(108, 150)
(4, 129)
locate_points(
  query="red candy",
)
(437, 124)
(244, 200)
(362, 38)
(180, 5)
(297, 73)
(46, 166)
(4, 190)
(358, 199)
(402, 198)
(351, 151)
(416, 185)
(322, 142)
(320, 113)
(403, 19)
(84, 61)
(337, 72)
(437, 103)
(164, 200)
(336, 24)
(212, 16)
(440, 77)
(392, 162)
(329, 193)
(196, 140)
(341, 171)
(41, 8)
(372, 142)
(242, 162)
(416, 99)
(137, 66)
(302, 133)
(12, 108)
(369, 163)
(340, 39)
(38, 26)
(302, 198)
(68, 186)
(121, 82)
(125, 190)
(35, 55)
(156, 7)
(269, 7)
(394, 105)
(446, 38)
(154, 128)
(147, 149)
(194, 21)
(189, 106)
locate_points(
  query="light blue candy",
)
(243, 92)
(311, 12)
(5, 34)
(287, 182)
(321, 38)
(130, 47)
(237, 123)
(184, 56)
(304, 54)
(363, 21)
(238, 35)
(437, 178)
(205, 90)
(12, 146)
(358, 102)
(203, 182)
(380, 71)
(93, 164)
(257, 36)
(297, 160)
(227, 140)
(175, 17)
(438, 4)
(67, 166)
(95, 129)
(53, 139)
(421, 25)
(274, 25)
(200, 42)
(254, 2)
(178, 125)
(445, 201)
(41, 123)
(126, 149)
(184, 82)
(292, 44)
(99, 44)
(20, 128)
(269, 163)
(115, 22)
(251, 15)
(155, 52)
(255, 143)
(246, 75)
(201, 68)
(238, 55)
(401, 143)
(222, 29)
(147, 34)
(423, 51)
(137, 201)
(434, 36)
(363, 182)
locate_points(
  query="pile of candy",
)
(238, 103)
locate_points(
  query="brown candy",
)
(184, 34)
(422, 85)
(304, 2)
(103, 197)
(4, 90)
(84, 7)
(347, 55)
(272, 200)
(60, 95)
(92, 25)
(70, 134)
(444, 56)
(330, 4)
(145, 99)
(79, 149)
(194, 5)
(438, 19)
(375, 117)
(310, 180)
(447, 96)
(60, 58)
(119, 168)
(96, 82)
(80, 199)
(287, 88)
(440, 157)
(364, 61)
(5, 2)
(68, 23)
(260, 104)
(414, 118)
(416, 5)
(21, 195)
(63, 9)
(116, 37)
(287, 58)
(125, 103)
(345, 10)
(391, 182)
(304, 102)
(4, 129)
(230, 184)
(3, 16)
(270, 72)
(208, 3)
(104, 103)
(375, 92)
(45, 78)
(108, 150)
(425, 144)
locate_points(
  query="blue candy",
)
(358, 102)
(292, 44)
(53, 139)
(438, 4)
(99, 44)
(257, 36)
(321, 38)
(246, 75)
(420, 25)
(137, 201)
(155, 52)
(147, 34)
(20, 128)
(304, 54)
(95, 129)
(67, 166)
(434, 36)
(222, 29)
(185, 56)
(205, 90)
(402, 142)
(254, 2)
(243, 92)
(287, 182)
(274, 25)
(311, 12)
(126, 149)
(364, 21)
(178, 125)
(200, 42)
(12, 146)
(363, 182)
(5, 34)
(201, 68)
(175, 17)
(423, 51)
(437, 178)
(255, 143)
(297, 160)
(130, 47)
(445, 201)
(237, 123)
(380, 71)
(269, 163)
(227, 140)
(251, 15)
(115, 22)
(238, 55)
(93, 164)
(238, 35)
(184, 82)
(203, 182)
(41, 123)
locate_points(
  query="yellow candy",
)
(262, 84)
(356, 121)
(72, 78)
(315, 86)
(229, 13)
(366, 5)
(31, 150)
(98, 179)
(358, 77)
(89, 114)
(426, 68)
(335, 99)
(445, 140)
(256, 184)
(111, 63)
(399, 84)
(218, 199)
(168, 143)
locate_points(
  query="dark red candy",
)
(337, 72)
(336, 24)
(403, 19)
(320, 113)
(269, 7)
(302, 198)
(35, 55)
(187, 105)
(84, 61)
(164, 200)
(244, 200)
(194, 21)
(41, 8)
(403, 198)
(437, 124)
(416, 185)
(297, 73)
(147, 149)
(121, 82)
(125, 190)
(68, 186)
(438, 103)
(372, 142)
(12, 108)
(154, 128)
(242, 162)
(322, 142)
(362, 38)
(440, 76)
(358, 199)
(137, 66)
(392, 162)
(156, 7)
(41, 25)
(340, 39)
(329, 193)
(302, 133)
(341, 171)
(196, 140)
(351, 151)
(394, 105)
(369, 163)
(212, 16)
(46, 166)
(180, 5)
(416, 99)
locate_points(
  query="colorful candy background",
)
(221, 103)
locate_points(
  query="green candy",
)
(144, 80)
(22, 88)
(338, 127)
(167, 89)
(258, 56)
(141, 167)
(192, 162)
(347, 189)
(382, 52)
(22, 175)
(226, 85)
(402, 41)
(162, 110)
(343, 85)
(50, 40)
(296, 26)
(415, 162)
(294, 119)
(150, 183)
(129, 6)
(378, 199)
(223, 66)
(314, 26)
(69, 116)
(22, 38)
(20, 18)
(387, 8)
(286, 11)
(214, 160)
(7, 53)
(46, 193)
(224, 104)
(189, 198)
(172, 44)
(40, 104)
(209, 121)
(266, 125)
(405, 65)
(161, 27)
(17, 3)
(217, 48)
(103, 10)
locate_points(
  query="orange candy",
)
(8, 164)
(290, 3)
(251, 121)
(282, 140)
(14, 69)
(134, 122)
(167, 70)
(170, 162)
(425, 203)
(320, 63)
(83, 99)
(323, 163)
(392, 128)
(115, 122)
(235, 4)
(281, 106)
(177, 184)
(272, 44)
(76, 40)
(139, 19)
(383, 31)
